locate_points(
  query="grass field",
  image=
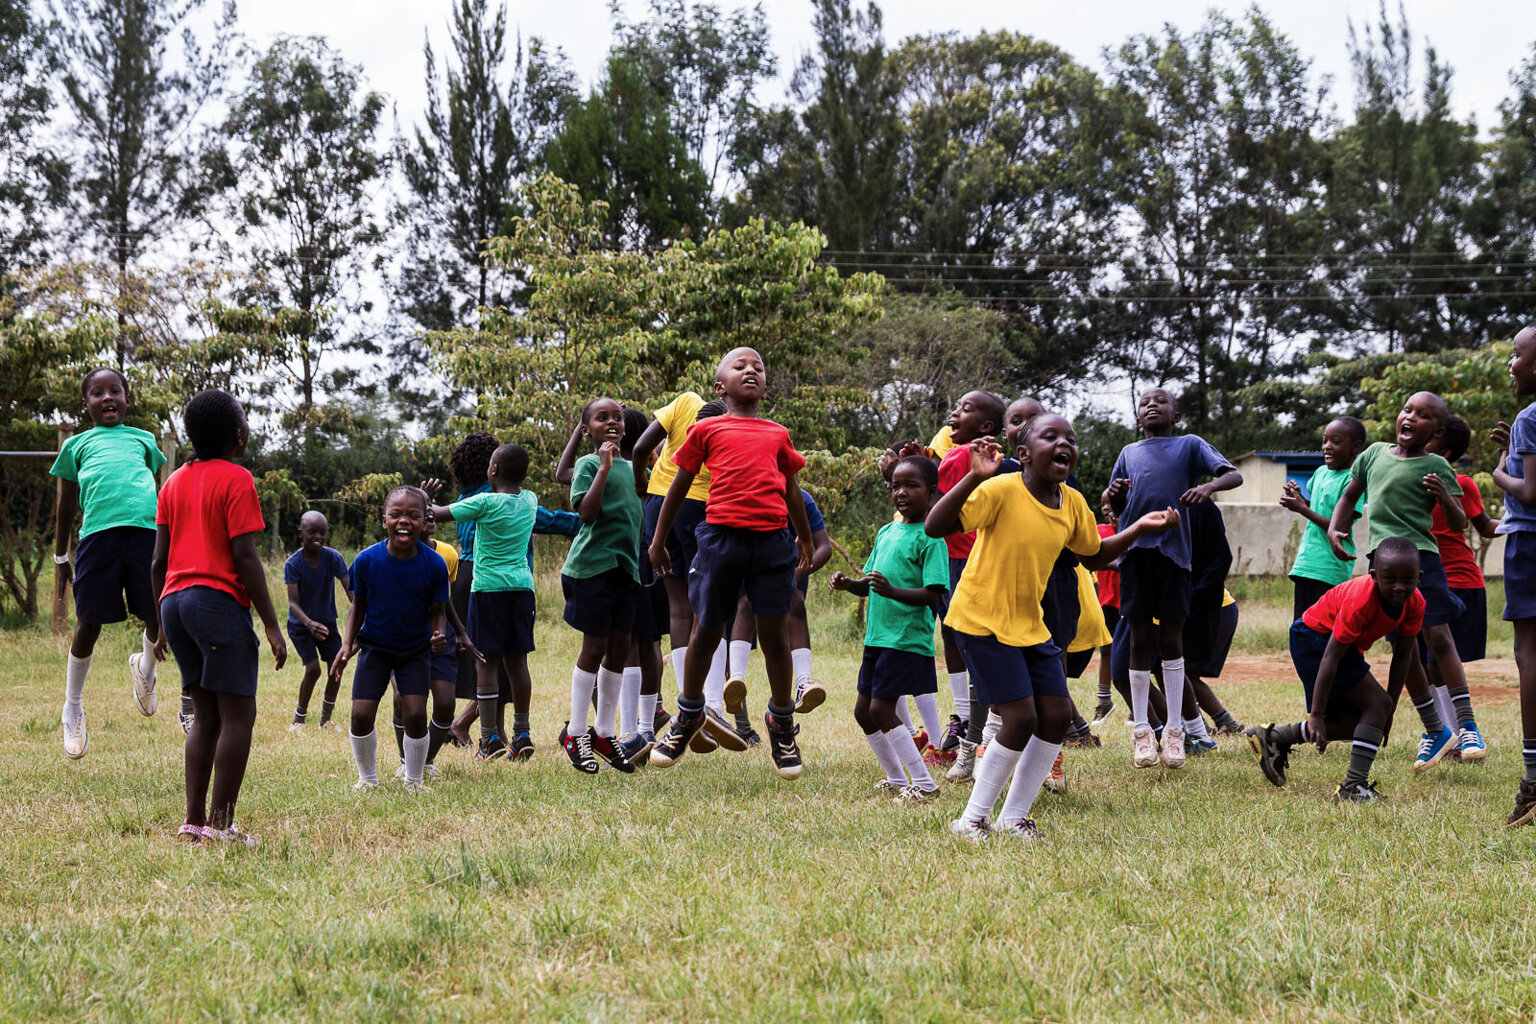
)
(714, 891)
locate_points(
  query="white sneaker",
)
(885, 786)
(143, 686)
(964, 768)
(416, 787)
(1143, 746)
(76, 741)
(970, 831)
(295, 726)
(429, 771)
(1023, 829)
(1173, 747)
(363, 785)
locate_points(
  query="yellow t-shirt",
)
(1092, 630)
(675, 418)
(941, 442)
(1017, 543)
(450, 556)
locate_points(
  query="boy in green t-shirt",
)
(1316, 569)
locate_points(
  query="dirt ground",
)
(1492, 681)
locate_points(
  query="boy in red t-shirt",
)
(207, 576)
(744, 545)
(1344, 700)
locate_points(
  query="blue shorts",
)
(1111, 617)
(309, 649)
(412, 672)
(1152, 586)
(601, 605)
(445, 666)
(210, 635)
(683, 539)
(732, 561)
(111, 565)
(653, 612)
(501, 621)
(887, 673)
(1000, 673)
(1307, 647)
(1469, 630)
(1120, 652)
(956, 567)
(1519, 575)
(1208, 641)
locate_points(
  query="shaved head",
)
(312, 518)
(731, 355)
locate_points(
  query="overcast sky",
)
(1482, 40)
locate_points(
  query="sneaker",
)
(233, 834)
(1356, 793)
(1229, 726)
(492, 749)
(1102, 711)
(400, 772)
(638, 748)
(1472, 747)
(1085, 739)
(921, 739)
(522, 747)
(808, 697)
(782, 747)
(76, 740)
(364, 786)
(933, 757)
(1525, 805)
(915, 795)
(954, 732)
(143, 686)
(579, 750)
(750, 736)
(612, 752)
(416, 787)
(184, 719)
(660, 719)
(1272, 757)
(1023, 829)
(735, 695)
(328, 725)
(1432, 749)
(722, 732)
(885, 786)
(295, 726)
(971, 831)
(672, 743)
(1056, 782)
(703, 743)
(1194, 746)
(964, 768)
(430, 771)
(1143, 747)
(189, 833)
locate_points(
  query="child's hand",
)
(342, 657)
(439, 641)
(1499, 435)
(985, 455)
(1195, 495)
(431, 485)
(878, 584)
(1116, 491)
(279, 645)
(318, 630)
(1436, 487)
(910, 449)
(465, 643)
(887, 462)
(1293, 499)
(1336, 540)
(839, 581)
(661, 562)
(1108, 513)
(605, 453)
(807, 554)
(1319, 730)
(1167, 519)
(161, 643)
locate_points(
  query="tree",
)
(33, 179)
(1501, 219)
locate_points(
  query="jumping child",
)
(309, 575)
(1316, 570)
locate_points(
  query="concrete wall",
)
(1263, 480)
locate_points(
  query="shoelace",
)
(584, 747)
(1426, 745)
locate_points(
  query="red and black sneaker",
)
(579, 750)
(605, 748)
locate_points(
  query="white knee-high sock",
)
(147, 659)
(928, 707)
(1141, 687)
(1445, 705)
(1034, 765)
(582, 684)
(629, 700)
(415, 756)
(887, 757)
(900, 741)
(960, 686)
(645, 717)
(903, 714)
(800, 658)
(679, 656)
(738, 657)
(609, 683)
(714, 683)
(365, 752)
(992, 773)
(1173, 689)
(74, 678)
(1196, 727)
(994, 723)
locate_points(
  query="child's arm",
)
(253, 577)
(1326, 670)
(1117, 544)
(558, 521)
(1523, 491)
(944, 517)
(64, 521)
(316, 629)
(463, 633)
(821, 550)
(1114, 494)
(650, 439)
(592, 501)
(661, 562)
(1201, 492)
(565, 469)
(436, 622)
(1343, 518)
(1486, 526)
(157, 563)
(795, 502)
(1297, 502)
(355, 615)
(1455, 515)
(876, 583)
(848, 585)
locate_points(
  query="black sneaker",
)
(1356, 793)
(660, 719)
(638, 748)
(1272, 757)
(954, 732)
(579, 750)
(749, 736)
(605, 748)
(522, 746)
(491, 749)
(674, 741)
(722, 732)
(1525, 805)
(782, 746)
(1228, 726)
(1102, 711)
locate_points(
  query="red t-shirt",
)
(1352, 612)
(952, 469)
(749, 460)
(204, 505)
(1460, 564)
(1108, 579)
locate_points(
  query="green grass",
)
(714, 891)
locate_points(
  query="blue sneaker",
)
(1195, 746)
(1432, 749)
(1472, 746)
(638, 748)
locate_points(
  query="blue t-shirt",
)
(466, 527)
(1522, 442)
(1160, 470)
(317, 594)
(397, 595)
(812, 513)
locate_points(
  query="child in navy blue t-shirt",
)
(309, 574)
(1154, 473)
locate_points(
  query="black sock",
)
(690, 708)
(487, 703)
(437, 735)
(1428, 715)
(1462, 698)
(978, 722)
(326, 707)
(186, 703)
(1290, 735)
(1362, 754)
(1528, 752)
(743, 721)
(781, 718)
(400, 738)
(1079, 725)
(1225, 720)
(299, 713)
(520, 722)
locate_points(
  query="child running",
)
(108, 472)
(207, 575)
(904, 578)
(743, 544)
(1316, 569)
(310, 575)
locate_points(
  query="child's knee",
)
(864, 717)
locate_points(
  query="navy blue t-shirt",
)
(317, 594)
(397, 595)
(812, 513)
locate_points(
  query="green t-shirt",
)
(503, 528)
(1315, 559)
(1395, 495)
(612, 540)
(115, 470)
(907, 557)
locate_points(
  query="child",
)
(395, 626)
(1107, 584)
(207, 575)
(640, 695)
(1516, 475)
(1023, 521)
(1344, 700)
(1469, 630)
(1156, 472)
(600, 580)
(309, 574)
(904, 578)
(743, 544)
(469, 462)
(1402, 483)
(1316, 570)
(109, 473)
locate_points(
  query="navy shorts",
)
(1001, 673)
(887, 673)
(732, 560)
(1111, 617)
(445, 666)
(111, 565)
(653, 612)
(1307, 647)
(501, 622)
(1469, 630)
(211, 637)
(309, 649)
(1077, 663)
(464, 680)
(1519, 575)
(1059, 605)
(1307, 593)
(601, 605)
(1152, 586)
(683, 539)
(412, 672)
(956, 567)
(1440, 605)
(1208, 636)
